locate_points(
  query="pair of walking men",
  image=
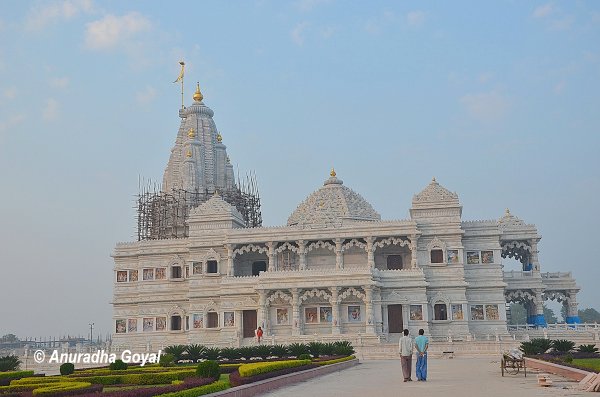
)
(405, 348)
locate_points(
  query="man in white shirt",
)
(405, 348)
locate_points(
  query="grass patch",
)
(590, 363)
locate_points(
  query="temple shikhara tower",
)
(204, 269)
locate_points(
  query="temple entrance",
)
(249, 323)
(395, 325)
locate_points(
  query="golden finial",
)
(198, 97)
(191, 133)
(332, 173)
(219, 137)
(189, 153)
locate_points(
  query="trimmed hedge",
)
(199, 391)
(208, 369)
(228, 368)
(246, 370)
(141, 379)
(118, 365)
(58, 387)
(15, 374)
(338, 360)
(67, 368)
(236, 380)
(151, 391)
(40, 380)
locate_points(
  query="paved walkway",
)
(458, 377)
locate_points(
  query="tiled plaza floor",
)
(446, 377)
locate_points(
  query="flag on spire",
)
(180, 77)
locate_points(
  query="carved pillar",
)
(271, 256)
(538, 304)
(533, 259)
(370, 252)
(386, 325)
(369, 320)
(296, 320)
(302, 254)
(339, 254)
(230, 271)
(413, 251)
(335, 311)
(239, 330)
(262, 310)
(406, 315)
(377, 314)
(572, 309)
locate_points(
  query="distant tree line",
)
(518, 315)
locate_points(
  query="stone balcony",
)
(532, 279)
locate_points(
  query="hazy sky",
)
(499, 101)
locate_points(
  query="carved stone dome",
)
(332, 205)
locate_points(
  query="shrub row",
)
(246, 370)
(236, 380)
(130, 370)
(316, 349)
(153, 391)
(541, 345)
(140, 379)
(15, 374)
(199, 391)
(337, 360)
(57, 387)
(40, 380)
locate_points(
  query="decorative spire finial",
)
(219, 137)
(332, 173)
(198, 97)
(433, 180)
(507, 211)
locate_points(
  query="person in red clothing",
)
(259, 334)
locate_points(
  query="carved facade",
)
(335, 270)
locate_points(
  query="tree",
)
(518, 314)
(9, 338)
(589, 315)
(549, 315)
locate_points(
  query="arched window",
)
(212, 320)
(212, 266)
(440, 311)
(176, 323)
(437, 256)
(258, 266)
(176, 272)
(394, 262)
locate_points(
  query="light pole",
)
(91, 334)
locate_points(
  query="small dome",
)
(331, 205)
(434, 192)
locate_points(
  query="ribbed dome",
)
(331, 205)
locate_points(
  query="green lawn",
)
(591, 363)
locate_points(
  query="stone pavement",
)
(458, 377)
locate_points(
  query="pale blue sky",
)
(499, 101)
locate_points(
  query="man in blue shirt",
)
(421, 343)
